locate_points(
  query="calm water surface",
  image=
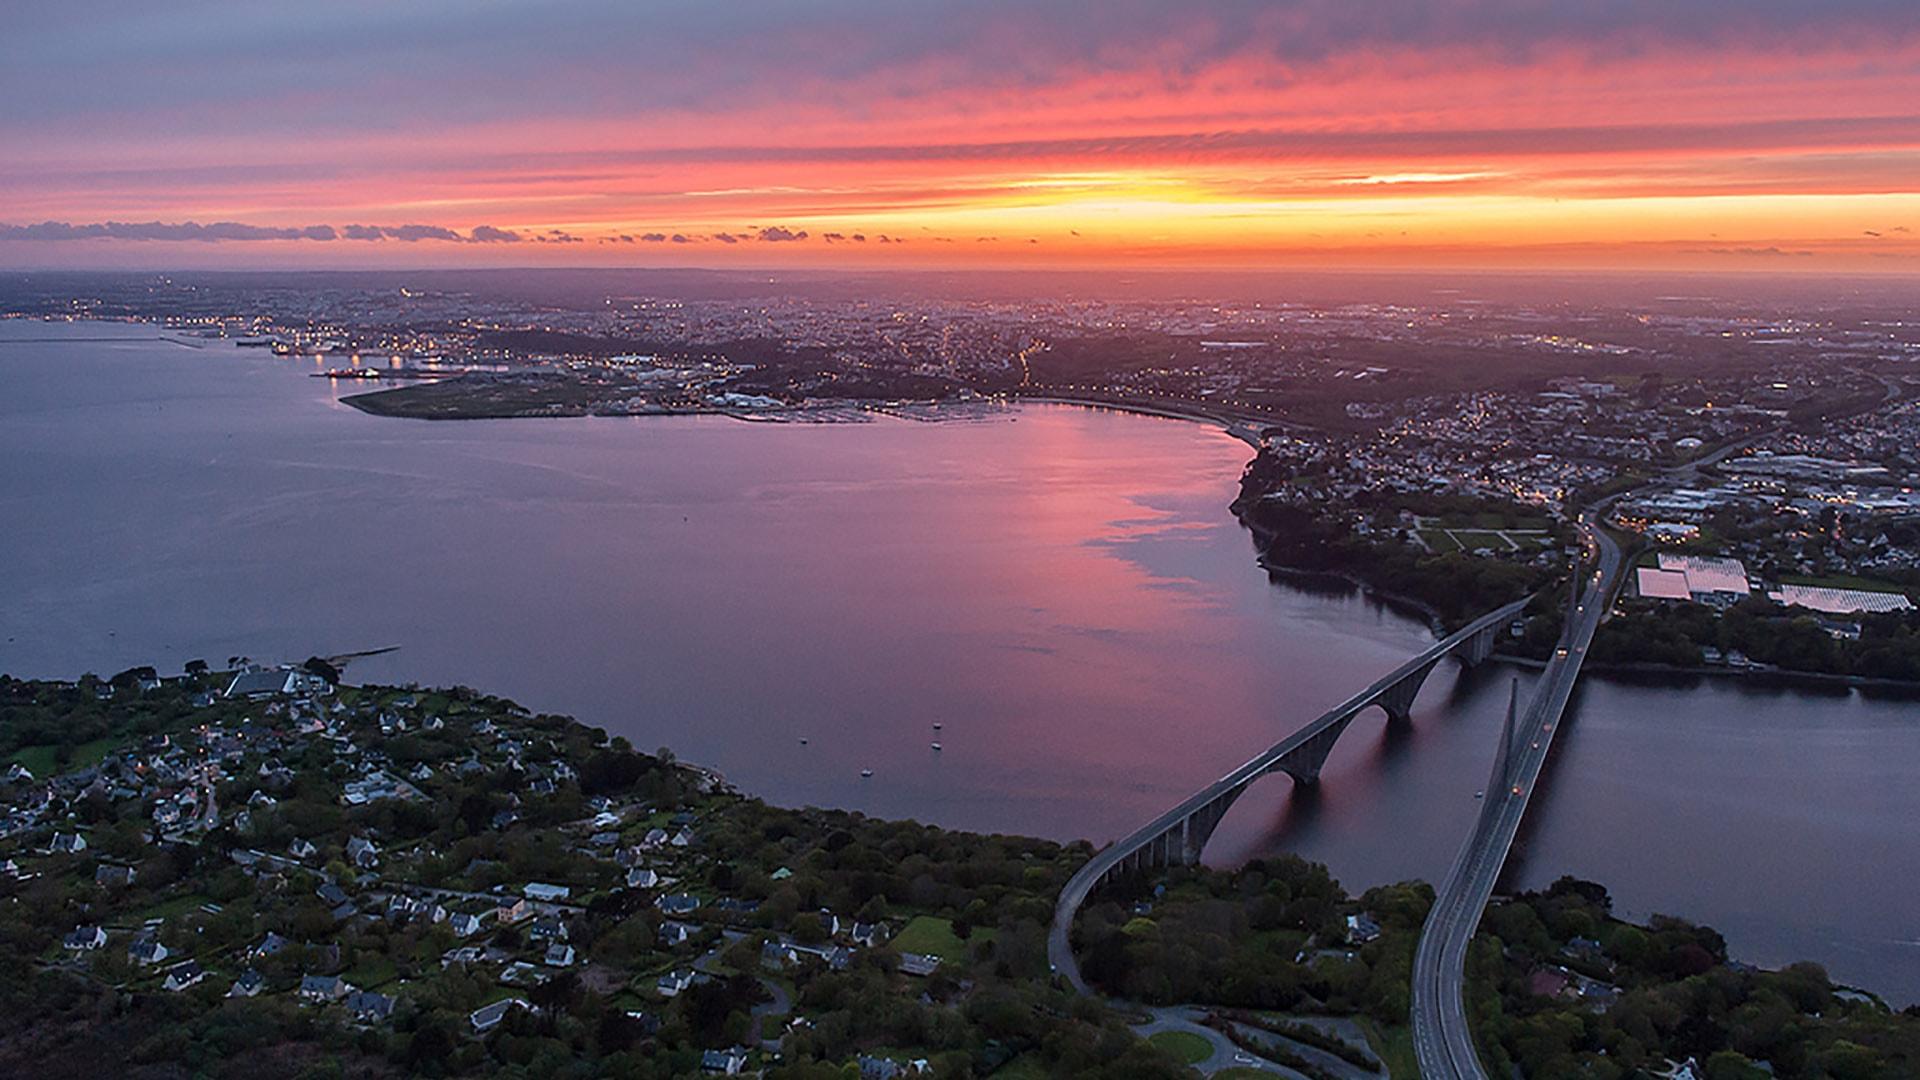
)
(1062, 590)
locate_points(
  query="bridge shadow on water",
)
(1540, 807)
(1299, 813)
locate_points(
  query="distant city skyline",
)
(860, 134)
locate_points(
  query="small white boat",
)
(866, 774)
(936, 725)
(803, 740)
(936, 746)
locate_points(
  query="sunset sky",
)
(1675, 134)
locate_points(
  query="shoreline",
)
(1791, 680)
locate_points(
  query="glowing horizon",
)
(1709, 135)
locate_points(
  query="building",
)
(487, 1017)
(1657, 584)
(1839, 601)
(726, 1062)
(1708, 578)
(324, 987)
(918, 964)
(255, 683)
(369, 1007)
(544, 893)
(182, 975)
(85, 939)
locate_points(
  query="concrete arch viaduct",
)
(1181, 834)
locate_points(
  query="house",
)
(513, 911)
(113, 875)
(336, 900)
(1361, 929)
(778, 956)
(673, 982)
(69, 843)
(248, 984)
(544, 893)
(302, 849)
(268, 946)
(683, 838)
(654, 838)
(147, 951)
(182, 975)
(547, 928)
(369, 1007)
(677, 933)
(1549, 983)
(726, 1062)
(919, 964)
(559, 955)
(465, 956)
(641, 877)
(487, 1017)
(878, 1068)
(85, 938)
(678, 904)
(19, 773)
(324, 987)
(465, 924)
(870, 934)
(520, 972)
(361, 852)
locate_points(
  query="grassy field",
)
(935, 937)
(174, 907)
(1027, 1066)
(1184, 1046)
(372, 973)
(1474, 539)
(40, 759)
(1438, 541)
(1393, 1046)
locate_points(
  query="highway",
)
(1441, 1035)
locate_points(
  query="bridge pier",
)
(1304, 762)
(1480, 646)
(1398, 699)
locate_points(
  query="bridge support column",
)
(1197, 828)
(1398, 699)
(1479, 647)
(1303, 763)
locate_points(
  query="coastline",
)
(1787, 679)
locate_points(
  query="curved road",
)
(1441, 1035)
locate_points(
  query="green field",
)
(1438, 541)
(1393, 1046)
(1184, 1046)
(1027, 1066)
(41, 761)
(935, 937)
(373, 972)
(1473, 539)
